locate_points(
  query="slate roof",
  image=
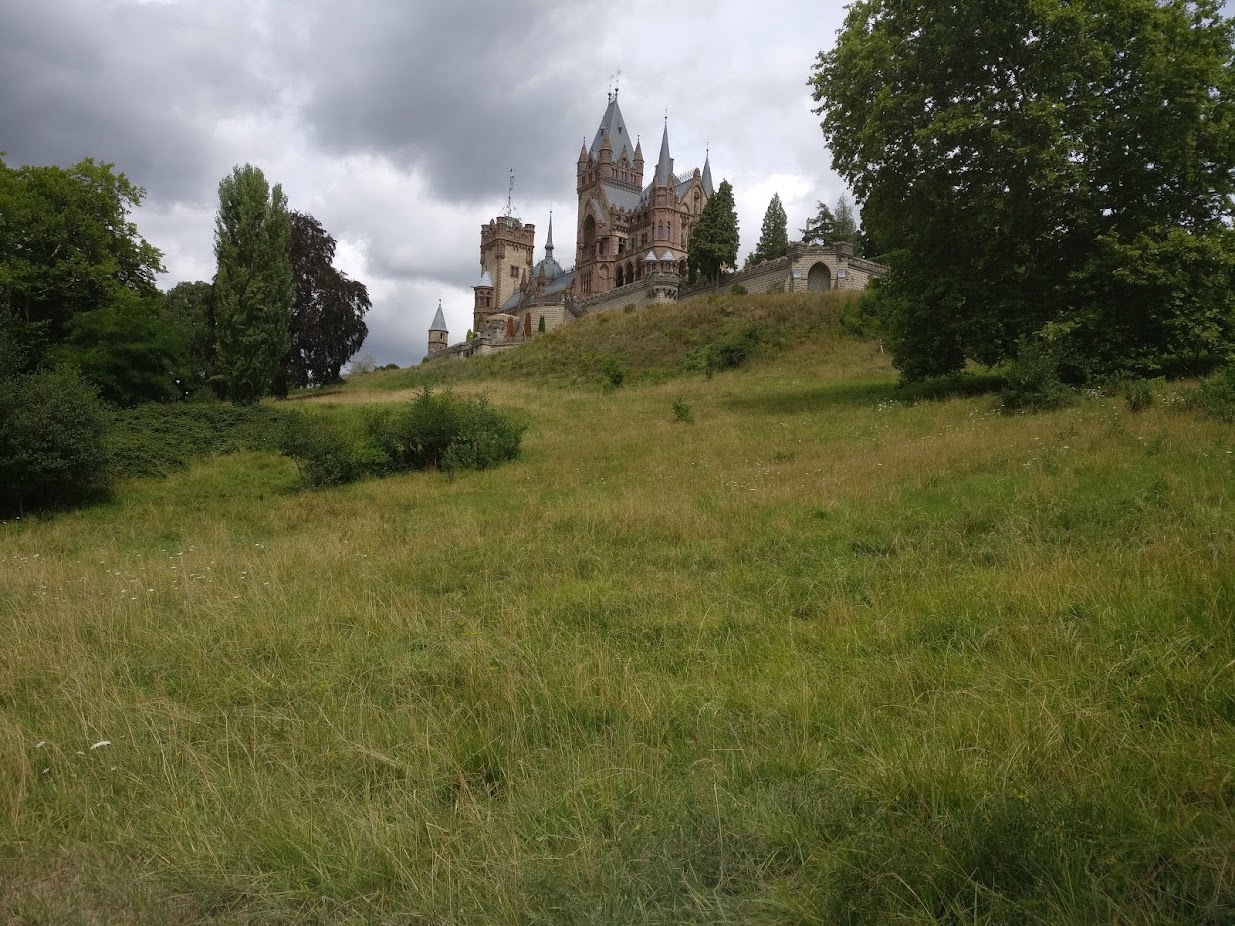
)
(707, 174)
(613, 125)
(664, 166)
(439, 320)
(620, 197)
(485, 279)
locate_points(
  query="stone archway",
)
(819, 279)
(620, 280)
(589, 237)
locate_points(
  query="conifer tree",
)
(253, 282)
(774, 235)
(844, 225)
(820, 227)
(714, 242)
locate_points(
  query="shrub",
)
(734, 350)
(1139, 395)
(1217, 396)
(738, 289)
(1032, 381)
(681, 411)
(613, 371)
(433, 431)
(154, 439)
(52, 447)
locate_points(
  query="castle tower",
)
(505, 258)
(438, 335)
(609, 176)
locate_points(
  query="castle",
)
(632, 246)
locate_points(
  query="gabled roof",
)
(613, 125)
(651, 256)
(485, 279)
(439, 320)
(621, 197)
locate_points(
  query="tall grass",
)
(836, 653)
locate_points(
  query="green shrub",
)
(154, 439)
(1032, 381)
(52, 440)
(1139, 395)
(432, 431)
(738, 290)
(734, 350)
(1216, 397)
(681, 411)
(614, 372)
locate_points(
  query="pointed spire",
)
(638, 151)
(439, 320)
(549, 240)
(707, 171)
(664, 166)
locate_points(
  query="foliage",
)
(328, 309)
(773, 236)
(1139, 395)
(613, 371)
(1032, 381)
(362, 364)
(1026, 163)
(52, 450)
(432, 431)
(682, 411)
(253, 283)
(730, 350)
(820, 227)
(1216, 397)
(67, 246)
(714, 241)
(154, 440)
(540, 325)
(129, 350)
(845, 226)
(737, 289)
(189, 306)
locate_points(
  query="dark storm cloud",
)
(142, 86)
(463, 91)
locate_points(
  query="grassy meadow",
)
(783, 645)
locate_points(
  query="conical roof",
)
(613, 125)
(707, 174)
(664, 166)
(439, 320)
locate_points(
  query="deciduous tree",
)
(328, 310)
(253, 282)
(1057, 172)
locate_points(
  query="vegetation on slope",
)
(822, 655)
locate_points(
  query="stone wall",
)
(653, 288)
(792, 273)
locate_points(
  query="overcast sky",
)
(396, 122)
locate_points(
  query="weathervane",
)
(510, 196)
(614, 79)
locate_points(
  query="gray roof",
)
(651, 256)
(621, 197)
(485, 279)
(512, 301)
(614, 126)
(551, 267)
(664, 166)
(600, 214)
(439, 320)
(707, 174)
(560, 284)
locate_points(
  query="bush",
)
(738, 289)
(1139, 395)
(1217, 396)
(681, 411)
(613, 371)
(52, 440)
(1032, 381)
(433, 431)
(154, 439)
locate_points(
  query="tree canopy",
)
(1038, 170)
(68, 247)
(714, 240)
(328, 309)
(820, 226)
(773, 236)
(253, 282)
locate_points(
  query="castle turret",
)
(439, 337)
(664, 166)
(638, 162)
(707, 175)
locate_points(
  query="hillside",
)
(783, 645)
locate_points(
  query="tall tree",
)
(773, 236)
(189, 306)
(844, 225)
(820, 226)
(328, 310)
(714, 241)
(253, 282)
(67, 246)
(1043, 171)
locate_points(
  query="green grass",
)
(833, 652)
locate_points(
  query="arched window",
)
(619, 280)
(660, 231)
